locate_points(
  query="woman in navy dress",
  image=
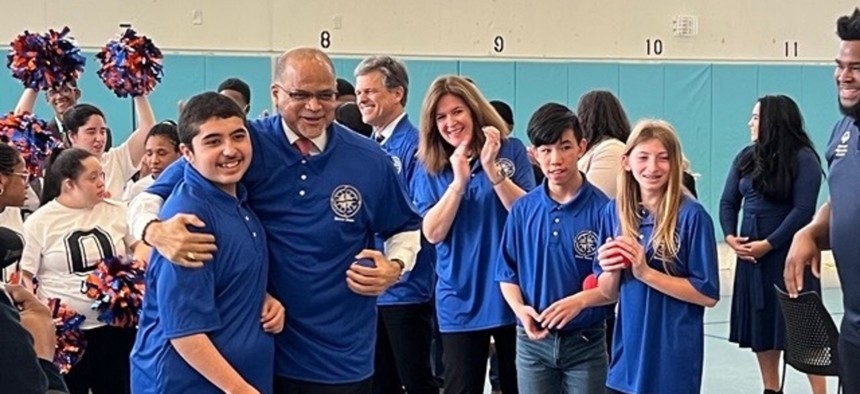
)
(774, 182)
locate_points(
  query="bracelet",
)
(143, 234)
(496, 183)
(455, 190)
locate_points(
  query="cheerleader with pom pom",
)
(64, 241)
(51, 62)
(85, 125)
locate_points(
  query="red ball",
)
(590, 282)
(627, 263)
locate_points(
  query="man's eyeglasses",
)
(305, 96)
(63, 90)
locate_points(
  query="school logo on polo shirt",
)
(345, 202)
(506, 167)
(842, 148)
(398, 165)
(585, 244)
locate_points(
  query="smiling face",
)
(305, 96)
(379, 106)
(221, 152)
(454, 120)
(650, 165)
(847, 75)
(62, 98)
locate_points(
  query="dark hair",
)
(79, 115)
(504, 111)
(166, 129)
(344, 88)
(549, 122)
(237, 85)
(848, 27)
(200, 109)
(602, 117)
(349, 115)
(108, 139)
(63, 164)
(9, 158)
(772, 160)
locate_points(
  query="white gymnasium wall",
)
(731, 30)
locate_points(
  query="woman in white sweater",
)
(606, 128)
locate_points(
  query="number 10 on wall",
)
(654, 47)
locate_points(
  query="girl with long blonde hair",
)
(660, 259)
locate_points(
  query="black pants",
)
(610, 331)
(849, 359)
(291, 386)
(104, 367)
(403, 350)
(465, 359)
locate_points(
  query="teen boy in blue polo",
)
(200, 330)
(548, 247)
(322, 193)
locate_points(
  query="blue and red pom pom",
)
(44, 61)
(130, 65)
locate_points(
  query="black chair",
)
(811, 337)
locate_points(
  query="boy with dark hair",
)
(548, 248)
(200, 328)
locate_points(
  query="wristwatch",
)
(402, 267)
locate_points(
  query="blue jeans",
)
(564, 362)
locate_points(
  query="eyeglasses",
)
(304, 96)
(24, 175)
(63, 90)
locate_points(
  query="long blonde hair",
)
(433, 151)
(663, 240)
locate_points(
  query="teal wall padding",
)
(709, 104)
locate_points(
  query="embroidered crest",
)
(345, 202)
(398, 165)
(506, 167)
(585, 244)
(842, 148)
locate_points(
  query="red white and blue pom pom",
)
(117, 288)
(27, 134)
(71, 343)
(131, 65)
(43, 61)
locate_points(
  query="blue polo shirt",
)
(467, 296)
(223, 300)
(843, 159)
(319, 212)
(417, 285)
(548, 249)
(658, 346)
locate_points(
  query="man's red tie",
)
(304, 146)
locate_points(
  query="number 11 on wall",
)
(791, 49)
